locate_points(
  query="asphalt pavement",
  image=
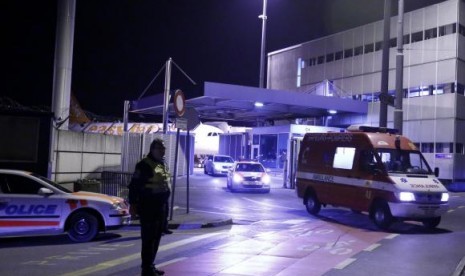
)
(194, 219)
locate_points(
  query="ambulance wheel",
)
(431, 223)
(83, 227)
(382, 215)
(312, 203)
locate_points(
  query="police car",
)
(33, 205)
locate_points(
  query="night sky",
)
(120, 45)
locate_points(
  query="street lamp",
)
(262, 53)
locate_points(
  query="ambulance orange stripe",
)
(16, 223)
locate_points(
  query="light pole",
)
(262, 53)
(398, 112)
(384, 95)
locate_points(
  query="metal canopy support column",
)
(166, 95)
(175, 173)
(125, 147)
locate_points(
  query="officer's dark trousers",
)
(152, 220)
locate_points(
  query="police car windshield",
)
(402, 161)
(59, 187)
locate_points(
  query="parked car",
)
(218, 164)
(34, 205)
(248, 176)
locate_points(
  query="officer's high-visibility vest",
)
(159, 183)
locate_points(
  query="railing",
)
(115, 183)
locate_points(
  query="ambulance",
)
(373, 170)
(33, 205)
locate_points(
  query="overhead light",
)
(332, 111)
(258, 104)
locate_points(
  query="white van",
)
(369, 169)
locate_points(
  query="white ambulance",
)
(369, 169)
(33, 205)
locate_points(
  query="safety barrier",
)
(115, 183)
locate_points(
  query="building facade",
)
(349, 65)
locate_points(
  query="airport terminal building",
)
(348, 65)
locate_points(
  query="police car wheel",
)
(312, 203)
(382, 215)
(83, 227)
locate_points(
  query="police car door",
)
(23, 210)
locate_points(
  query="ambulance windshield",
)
(402, 161)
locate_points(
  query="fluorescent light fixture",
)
(258, 104)
(332, 111)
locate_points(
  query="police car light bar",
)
(372, 129)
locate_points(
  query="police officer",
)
(149, 191)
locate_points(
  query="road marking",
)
(171, 262)
(270, 205)
(265, 234)
(461, 206)
(450, 210)
(345, 263)
(295, 222)
(372, 247)
(129, 258)
(225, 245)
(390, 237)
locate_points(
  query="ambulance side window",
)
(21, 185)
(344, 158)
(305, 155)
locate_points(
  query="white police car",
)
(33, 205)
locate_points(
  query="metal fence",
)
(115, 183)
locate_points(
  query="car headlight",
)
(217, 167)
(445, 197)
(118, 206)
(237, 177)
(266, 179)
(406, 196)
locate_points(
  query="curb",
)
(192, 225)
